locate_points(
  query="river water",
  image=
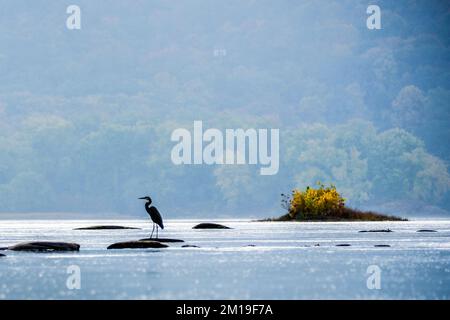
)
(254, 260)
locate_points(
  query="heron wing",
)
(156, 217)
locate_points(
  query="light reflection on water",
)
(286, 261)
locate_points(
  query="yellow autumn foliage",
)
(317, 202)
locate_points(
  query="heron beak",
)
(143, 198)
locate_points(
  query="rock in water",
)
(162, 240)
(382, 246)
(2, 255)
(189, 246)
(44, 246)
(426, 230)
(210, 226)
(105, 228)
(137, 245)
(379, 230)
(343, 245)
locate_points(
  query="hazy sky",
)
(86, 115)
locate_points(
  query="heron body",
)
(154, 215)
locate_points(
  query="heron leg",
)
(152, 231)
(156, 232)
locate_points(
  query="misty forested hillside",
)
(86, 115)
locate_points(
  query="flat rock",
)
(343, 245)
(162, 240)
(378, 230)
(382, 246)
(105, 228)
(137, 245)
(426, 230)
(189, 246)
(45, 246)
(210, 226)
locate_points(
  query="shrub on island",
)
(324, 203)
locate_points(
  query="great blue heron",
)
(154, 215)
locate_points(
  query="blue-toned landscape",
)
(298, 124)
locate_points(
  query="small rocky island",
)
(324, 204)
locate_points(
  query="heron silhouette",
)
(154, 215)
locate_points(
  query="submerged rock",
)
(382, 246)
(343, 245)
(2, 255)
(210, 226)
(189, 246)
(426, 230)
(379, 230)
(137, 245)
(45, 246)
(105, 228)
(162, 240)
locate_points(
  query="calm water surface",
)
(254, 260)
